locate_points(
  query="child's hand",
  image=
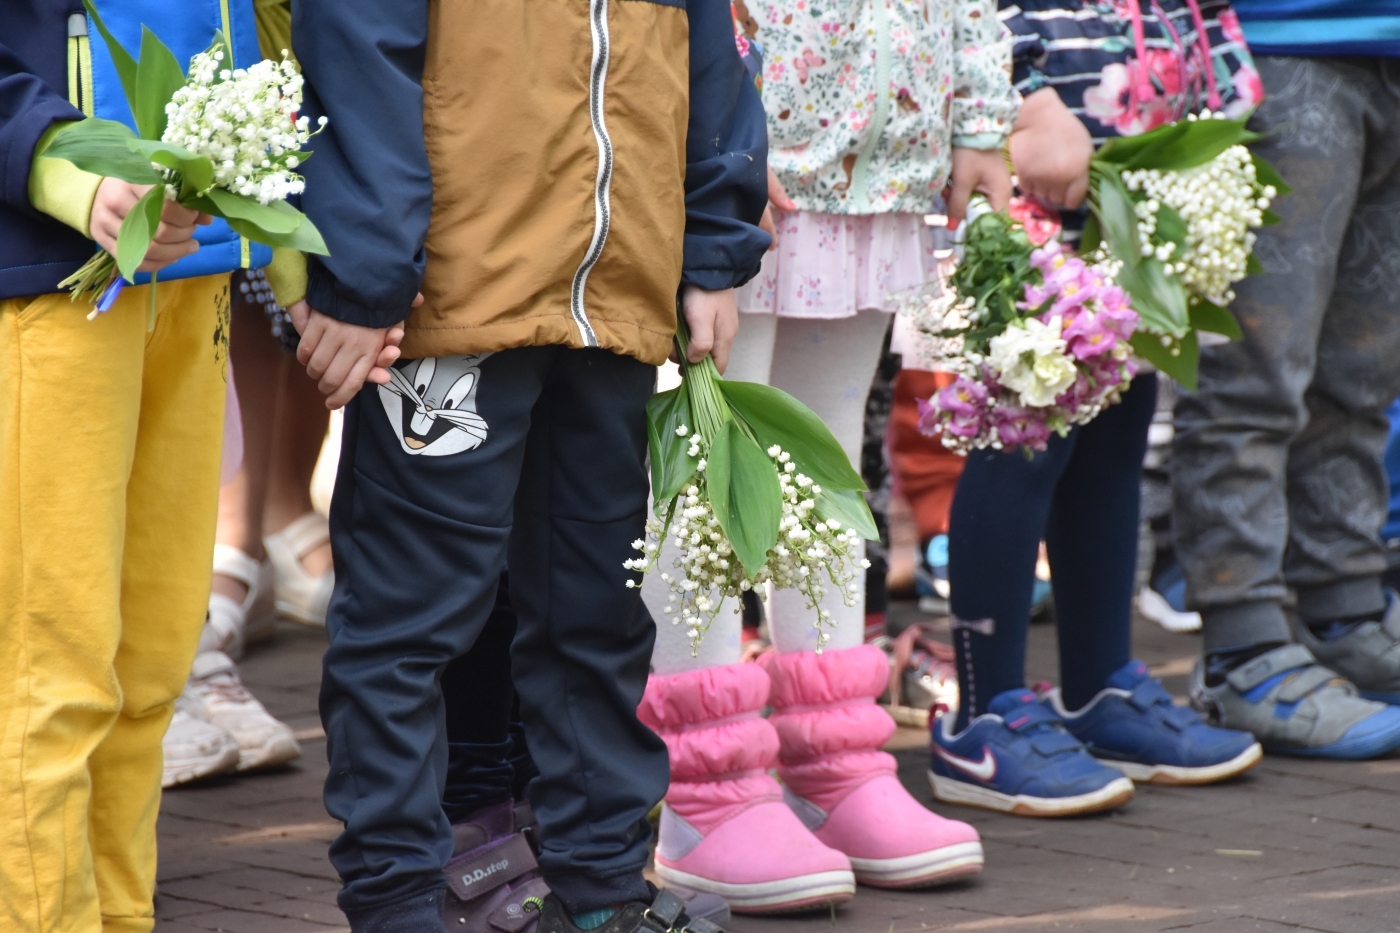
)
(343, 357)
(713, 318)
(977, 170)
(1051, 150)
(174, 237)
(777, 197)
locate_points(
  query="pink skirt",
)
(835, 265)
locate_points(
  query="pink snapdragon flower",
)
(1017, 427)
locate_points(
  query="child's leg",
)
(108, 524)
(419, 521)
(584, 642)
(479, 697)
(1092, 537)
(994, 530)
(828, 365)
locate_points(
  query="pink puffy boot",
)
(724, 825)
(843, 787)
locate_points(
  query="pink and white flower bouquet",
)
(1038, 340)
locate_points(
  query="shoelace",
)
(228, 688)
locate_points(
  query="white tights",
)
(828, 365)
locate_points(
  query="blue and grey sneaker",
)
(1133, 725)
(1018, 758)
(1294, 706)
(1367, 654)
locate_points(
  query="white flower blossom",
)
(1030, 358)
(245, 121)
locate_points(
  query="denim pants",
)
(1277, 473)
(539, 451)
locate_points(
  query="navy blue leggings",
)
(1082, 496)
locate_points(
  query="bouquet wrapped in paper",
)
(222, 141)
(1041, 341)
(752, 488)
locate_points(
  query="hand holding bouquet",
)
(753, 488)
(220, 141)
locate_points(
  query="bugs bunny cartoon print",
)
(431, 404)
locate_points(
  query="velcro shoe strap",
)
(476, 873)
(701, 925)
(1253, 673)
(512, 917)
(1304, 682)
(1025, 718)
(306, 534)
(665, 909)
(1147, 694)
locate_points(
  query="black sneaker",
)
(665, 914)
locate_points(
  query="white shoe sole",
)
(925, 869)
(279, 750)
(183, 772)
(1173, 774)
(770, 897)
(1154, 607)
(1113, 794)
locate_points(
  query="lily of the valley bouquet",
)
(219, 140)
(1041, 341)
(752, 488)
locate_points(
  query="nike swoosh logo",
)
(983, 770)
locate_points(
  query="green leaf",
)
(849, 508)
(1182, 367)
(1196, 143)
(777, 418)
(196, 171)
(305, 238)
(1117, 220)
(1252, 266)
(158, 77)
(1215, 319)
(1270, 218)
(121, 58)
(1091, 237)
(1171, 227)
(278, 217)
(138, 230)
(1120, 150)
(1160, 299)
(101, 147)
(745, 495)
(671, 466)
(1266, 174)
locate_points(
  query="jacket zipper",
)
(859, 195)
(602, 205)
(79, 64)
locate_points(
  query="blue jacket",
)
(1308, 28)
(42, 42)
(538, 180)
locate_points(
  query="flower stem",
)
(702, 382)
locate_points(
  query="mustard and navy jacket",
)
(544, 171)
(54, 68)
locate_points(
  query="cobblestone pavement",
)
(1295, 845)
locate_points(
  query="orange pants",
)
(926, 473)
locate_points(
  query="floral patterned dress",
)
(865, 99)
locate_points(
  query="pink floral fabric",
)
(835, 265)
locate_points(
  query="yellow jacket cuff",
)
(287, 275)
(61, 189)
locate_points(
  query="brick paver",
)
(1294, 846)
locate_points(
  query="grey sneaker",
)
(1294, 706)
(1368, 655)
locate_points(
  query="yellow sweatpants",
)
(109, 474)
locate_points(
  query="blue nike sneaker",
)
(1133, 725)
(1018, 758)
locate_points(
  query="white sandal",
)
(231, 625)
(300, 596)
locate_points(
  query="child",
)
(548, 176)
(109, 471)
(871, 107)
(1006, 749)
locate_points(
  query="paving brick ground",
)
(1295, 845)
